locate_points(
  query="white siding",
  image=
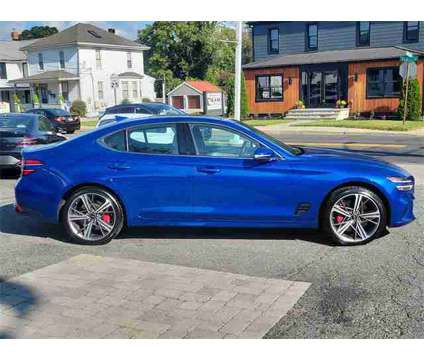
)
(51, 59)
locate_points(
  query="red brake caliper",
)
(340, 218)
(106, 218)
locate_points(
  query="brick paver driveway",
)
(90, 296)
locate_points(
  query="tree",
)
(37, 32)
(414, 102)
(178, 50)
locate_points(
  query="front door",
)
(321, 88)
(229, 186)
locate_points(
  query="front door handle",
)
(208, 169)
(118, 166)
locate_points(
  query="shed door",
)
(194, 102)
(178, 102)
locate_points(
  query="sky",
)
(127, 29)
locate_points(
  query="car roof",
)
(136, 105)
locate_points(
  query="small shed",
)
(198, 96)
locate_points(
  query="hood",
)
(352, 159)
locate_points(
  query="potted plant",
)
(300, 105)
(343, 112)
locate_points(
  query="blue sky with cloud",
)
(127, 29)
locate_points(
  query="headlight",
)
(403, 183)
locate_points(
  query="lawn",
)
(391, 125)
(89, 122)
(266, 122)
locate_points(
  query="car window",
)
(216, 141)
(159, 139)
(116, 141)
(126, 110)
(141, 110)
(44, 124)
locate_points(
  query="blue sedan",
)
(185, 171)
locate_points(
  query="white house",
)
(88, 63)
(13, 65)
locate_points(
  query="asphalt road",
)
(371, 291)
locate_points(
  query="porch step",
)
(317, 113)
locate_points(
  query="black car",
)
(20, 130)
(62, 120)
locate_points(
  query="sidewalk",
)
(285, 128)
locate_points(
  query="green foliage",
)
(145, 99)
(413, 103)
(125, 102)
(229, 89)
(35, 98)
(37, 32)
(17, 102)
(61, 99)
(79, 108)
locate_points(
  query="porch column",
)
(59, 95)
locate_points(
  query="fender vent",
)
(302, 208)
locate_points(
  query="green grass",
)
(89, 122)
(266, 122)
(388, 125)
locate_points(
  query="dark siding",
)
(332, 35)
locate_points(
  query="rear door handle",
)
(208, 169)
(118, 166)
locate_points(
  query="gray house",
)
(322, 62)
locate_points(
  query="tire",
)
(111, 220)
(349, 226)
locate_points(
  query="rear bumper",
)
(10, 161)
(71, 126)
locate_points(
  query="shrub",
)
(145, 99)
(414, 101)
(17, 101)
(125, 102)
(229, 89)
(79, 108)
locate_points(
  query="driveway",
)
(371, 291)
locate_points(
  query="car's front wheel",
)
(354, 215)
(92, 216)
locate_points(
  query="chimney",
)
(15, 35)
(111, 30)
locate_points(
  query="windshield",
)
(163, 109)
(291, 149)
(18, 123)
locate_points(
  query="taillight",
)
(26, 141)
(29, 166)
(60, 119)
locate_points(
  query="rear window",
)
(22, 124)
(58, 112)
(116, 141)
(163, 109)
(120, 110)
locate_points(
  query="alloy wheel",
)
(355, 217)
(91, 216)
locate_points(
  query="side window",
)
(126, 110)
(161, 139)
(44, 124)
(116, 141)
(141, 110)
(220, 142)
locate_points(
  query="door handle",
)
(118, 166)
(208, 169)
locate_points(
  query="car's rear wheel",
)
(92, 216)
(354, 215)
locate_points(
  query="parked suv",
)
(138, 111)
(62, 120)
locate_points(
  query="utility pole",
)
(163, 90)
(237, 80)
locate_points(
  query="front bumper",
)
(402, 208)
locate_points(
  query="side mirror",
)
(263, 155)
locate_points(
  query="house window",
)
(27, 97)
(3, 72)
(129, 60)
(411, 31)
(100, 93)
(62, 59)
(134, 90)
(383, 82)
(98, 60)
(273, 41)
(363, 33)
(269, 88)
(65, 90)
(312, 36)
(125, 92)
(40, 61)
(25, 69)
